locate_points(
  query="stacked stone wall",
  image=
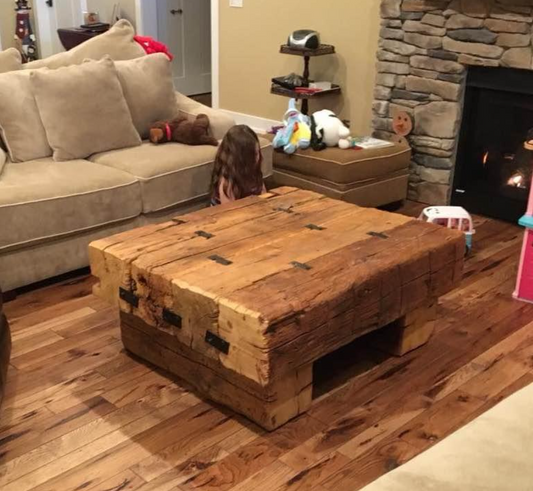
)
(425, 49)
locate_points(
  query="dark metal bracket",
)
(312, 226)
(217, 342)
(172, 318)
(379, 235)
(204, 234)
(220, 260)
(128, 297)
(284, 209)
(303, 266)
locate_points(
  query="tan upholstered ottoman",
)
(364, 177)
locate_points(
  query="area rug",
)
(492, 453)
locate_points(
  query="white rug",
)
(492, 453)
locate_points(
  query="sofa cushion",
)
(43, 199)
(83, 109)
(21, 127)
(148, 89)
(219, 121)
(10, 60)
(171, 173)
(118, 43)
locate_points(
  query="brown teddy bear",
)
(183, 130)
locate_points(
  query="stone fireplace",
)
(425, 53)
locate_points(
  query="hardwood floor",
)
(79, 413)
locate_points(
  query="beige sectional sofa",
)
(50, 210)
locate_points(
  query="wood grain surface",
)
(79, 413)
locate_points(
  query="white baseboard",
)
(258, 124)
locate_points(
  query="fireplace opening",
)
(493, 169)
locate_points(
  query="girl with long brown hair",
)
(237, 171)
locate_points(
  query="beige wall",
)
(7, 23)
(249, 54)
(105, 9)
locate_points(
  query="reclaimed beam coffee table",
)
(239, 300)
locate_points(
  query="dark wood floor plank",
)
(250, 459)
(50, 296)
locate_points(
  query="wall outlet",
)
(235, 3)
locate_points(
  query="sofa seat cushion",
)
(169, 174)
(346, 166)
(41, 199)
(172, 173)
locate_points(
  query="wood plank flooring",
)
(79, 413)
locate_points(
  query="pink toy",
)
(152, 46)
(524, 283)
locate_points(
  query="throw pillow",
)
(83, 110)
(118, 43)
(10, 60)
(21, 127)
(148, 89)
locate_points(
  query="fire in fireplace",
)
(493, 170)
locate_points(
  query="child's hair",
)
(238, 162)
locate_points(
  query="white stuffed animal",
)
(332, 128)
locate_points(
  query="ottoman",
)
(371, 177)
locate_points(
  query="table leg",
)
(293, 395)
(269, 406)
(409, 332)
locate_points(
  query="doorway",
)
(190, 30)
(51, 15)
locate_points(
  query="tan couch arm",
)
(220, 121)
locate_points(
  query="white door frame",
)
(46, 23)
(146, 19)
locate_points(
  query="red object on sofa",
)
(152, 46)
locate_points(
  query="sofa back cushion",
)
(10, 60)
(83, 110)
(21, 127)
(118, 43)
(148, 89)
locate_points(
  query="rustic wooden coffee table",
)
(239, 300)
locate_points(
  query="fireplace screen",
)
(493, 170)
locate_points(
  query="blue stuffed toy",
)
(296, 133)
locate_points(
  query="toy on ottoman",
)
(296, 133)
